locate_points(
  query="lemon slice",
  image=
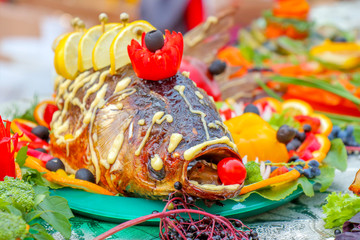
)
(66, 55)
(57, 40)
(297, 107)
(87, 44)
(101, 52)
(118, 49)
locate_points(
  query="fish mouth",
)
(201, 176)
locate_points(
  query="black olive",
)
(40, 150)
(300, 136)
(307, 128)
(285, 134)
(154, 40)
(41, 132)
(217, 67)
(339, 39)
(178, 185)
(293, 145)
(54, 165)
(85, 174)
(251, 108)
(337, 232)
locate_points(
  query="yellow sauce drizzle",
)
(180, 89)
(157, 163)
(116, 146)
(121, 85)
(158, 118)
(141, 122)
(199, 95)
(213, 125)
(186, 74)
(193, 151)
(175, 139)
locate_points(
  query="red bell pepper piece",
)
(307, 147)
(312, 121)
(198, 73)
(50, 109)
(27, 131)
(162, 63)
(7, 162)
(32, 145)
(44, 157)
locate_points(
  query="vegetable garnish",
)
(159, 64)
(355, 186)
(340, 208)
(8, 145)
(231, 171)
(182, 219)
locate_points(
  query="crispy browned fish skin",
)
(134, 175)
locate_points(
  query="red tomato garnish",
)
(231, 171)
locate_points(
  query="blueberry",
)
(41, 132)
(285, 134)
(307, 128)
(331, 136)
(294, 158)
(339, 39)
(300, 162)
(40, 150)
(178, 185)
(154, 40)
(251, 108)
(335, 131)
(293, 145)
(273, 168)
(217, 67)
(85, 174)
(54, 165)
(313, 163)
(300, 136)
(267, 161)
(349, 130)
(315, 171)
(299, 169)
(308, 173)
(342, 135)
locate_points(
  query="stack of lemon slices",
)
(98, 47)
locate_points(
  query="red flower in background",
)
(8, 145)
(161, 64)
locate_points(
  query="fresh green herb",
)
(21, 156)
(253, 173)
(14, 111)
(268, 90)
(279, 119)
(335, 88)
(340, 208)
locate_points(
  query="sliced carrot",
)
(18, 171)
(283, 178)
(66, 181)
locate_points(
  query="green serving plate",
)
(119, 209)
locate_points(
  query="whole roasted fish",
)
(139, 137)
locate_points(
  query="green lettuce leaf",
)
(340, 208)
(337, 156)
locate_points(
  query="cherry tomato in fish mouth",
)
(231, 171)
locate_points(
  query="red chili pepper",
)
(7, 162)
(162, 63)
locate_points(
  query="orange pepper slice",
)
(280, 179)
(325, 145)
(355, 186)
(325, 123)
(66, 181)
(28, 125)
(43, 112)
(18, 171)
